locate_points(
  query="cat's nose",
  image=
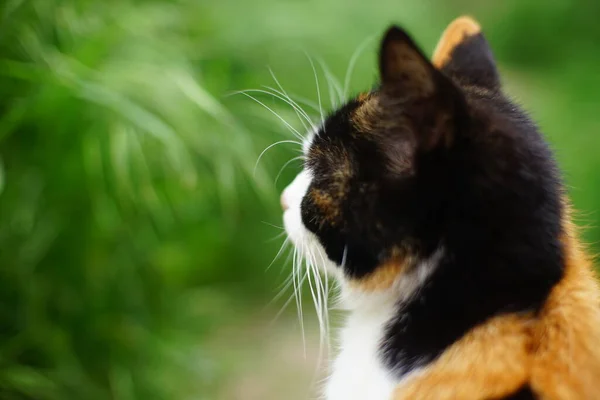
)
(284, 204)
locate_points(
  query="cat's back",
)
(550, 354)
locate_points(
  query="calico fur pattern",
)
(438, 163)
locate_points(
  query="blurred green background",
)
(135, 234)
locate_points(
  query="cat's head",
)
(434, 158)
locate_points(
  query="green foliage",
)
(130, 206)
(117, 167)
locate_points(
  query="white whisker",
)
(272, 225)
(324, 273)
(298, 294)
(316, 297)
(289, 300)
(312, 65)
(321, 287)
(352, 63)
(302, 116)
(274, 238)
(322, 313)
(286, 164)
(281, 249)
(287, 124)
(344, 255)
(271, 146)
(332, 83)
(299, 108)
(292, 102)
(281, 290)
(298, 99)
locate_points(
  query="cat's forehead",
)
(342, 123)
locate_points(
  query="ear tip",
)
(466, 25)
(457, 31)
(394, 32)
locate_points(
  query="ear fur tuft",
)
(464, 54)
(457, 32)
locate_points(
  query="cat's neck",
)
(359, 371)
(358, 300)
(430, 306)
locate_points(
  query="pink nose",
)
(284, 204)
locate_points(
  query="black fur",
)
(487, 191)
(472, 63)
(524, 393)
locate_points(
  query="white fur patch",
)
(358, 372)
(292, 218)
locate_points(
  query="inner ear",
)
(403, 68)
(464, 54)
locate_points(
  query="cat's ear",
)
(409, 79)
(464, 53)
(402, 66)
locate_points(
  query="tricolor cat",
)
(439, 206)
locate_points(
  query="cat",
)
(440, 209)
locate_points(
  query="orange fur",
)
(327, 204)
(383, 277)
(460, 29)
(362, 97)
(567, 357)
(366, 115)
(557, 352)
(490, 361)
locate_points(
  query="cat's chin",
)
(307, 244)
(292, 222)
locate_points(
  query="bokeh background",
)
(135, 230)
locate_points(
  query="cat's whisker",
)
(287, 124)
(298, 99)
(321, 311)
(332, 84)
(324, 291)
(274, 238)
(299, 112)
(319, 288)
(282, 289)
(289, 300)
(338, 299)
(326, 287)
(332, 100)
(288, 258)
(285, 165)
(273, 225)
(281, 249)
(312, 65)
(293, 103)
(271, 146)
(325, 338)
(288, 281)
(298, 294)
(315, 298)
(352, 63)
